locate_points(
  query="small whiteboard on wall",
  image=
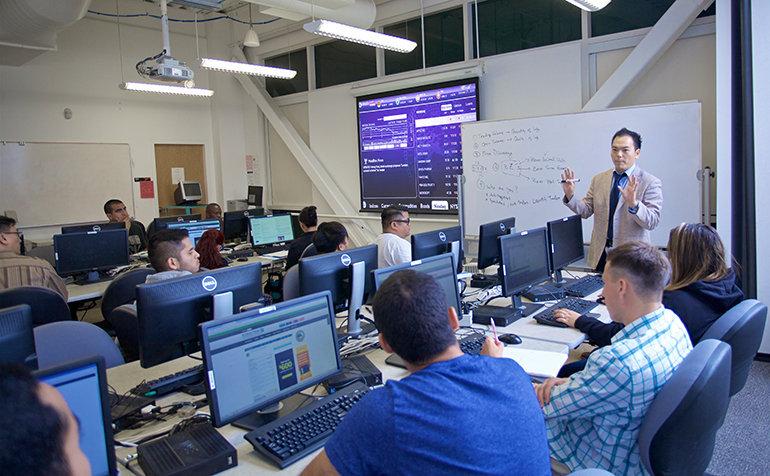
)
(48, 183)
(512, 167)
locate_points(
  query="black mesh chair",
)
(742, 327)
(47, 305)
(679, 429)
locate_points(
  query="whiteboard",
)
(49, 183)
(512, 167)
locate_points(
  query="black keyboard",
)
(584, 286)
(170, 383)
(296, 435)
(471, 344)
(581, 306)
(267, 249)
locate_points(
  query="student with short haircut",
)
(392, 245)
(330, 236)
(116, 211)
(213, 211)
(172, 255)
(455, 414)
(308, 221)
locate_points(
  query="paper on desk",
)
(537, 363)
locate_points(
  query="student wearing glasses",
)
(392, 246)
(18, 270)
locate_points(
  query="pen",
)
(494, 330)
(574, 180)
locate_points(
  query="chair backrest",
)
(291, 283)
(742, 327)
(679, 429)
(47, 305)
(44, 252)
(309, 251)
(126, 324)
(17, 342)
(61, 342)
(122, 290)
(591, 472)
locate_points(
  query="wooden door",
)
(174, 156)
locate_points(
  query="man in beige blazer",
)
(635, 209)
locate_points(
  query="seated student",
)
(330, 236)
(18, 270)
(392, 245)
(308, 221)
(593, 418)
(208, 248)
(702, 287)
(172, 255)
(38, 433)
(456, 414)
(213, 211)
(116, 212)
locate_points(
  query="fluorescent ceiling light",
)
(247, 68)
(359, 35)
(166, 89)
(590, 5)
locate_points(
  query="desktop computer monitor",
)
(195, 229)
(566, 239)
(254, 197)
(95, 227)
(83, 384)
(270, 229)
(255, 359)
(346, 274)
(236, 224)
(524, 262)
(168, 312)
(436, 242)
(295, 228)
(89, 253)
(188, 193)
(440, 267)
(162, 222)
(489, 252)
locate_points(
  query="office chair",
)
(17, 341)
(742, 327)
(47, 305)
(122, 290)
(126, 325)
(309, 251)
(678, 432)
(61, 342)
(44, 252)
(291, 283)
(591, 472)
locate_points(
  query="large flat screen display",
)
(410, 146)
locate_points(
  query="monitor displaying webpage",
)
(271, 229)
(195, 229)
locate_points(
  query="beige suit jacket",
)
(627, 226)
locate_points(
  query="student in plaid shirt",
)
(593, 417)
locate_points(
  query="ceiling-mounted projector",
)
(169, 69)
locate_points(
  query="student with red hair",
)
(208, 248)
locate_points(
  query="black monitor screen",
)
(161, 222)
(169, 311)
(236, 224)
(566, 239)
(270, 229)
(78, 253)
(95, 227)
(331, 272)
(440, 267)
(83, 384)
(524, 260)
(257, 358)
(254, 197)
(410, 147)
(196, 228)
(17, 339)
(436, 242)
(489, 252)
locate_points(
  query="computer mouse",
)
(243, 259)
(600, 299)
(511, 339)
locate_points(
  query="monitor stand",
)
(262, 417)
(92, 277)
(526, 308)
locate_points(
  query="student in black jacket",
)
(308, 221)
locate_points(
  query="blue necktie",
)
(614, 197)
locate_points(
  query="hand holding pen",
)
(568, 182)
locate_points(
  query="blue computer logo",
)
(442, 236)
(97, 228)
(502, 227)
(209, 283)
(345, 259)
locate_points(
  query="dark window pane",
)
(513, 25)
(296, 60)
(343, 62)
(443, 41)
(710, 11)
(625, 15)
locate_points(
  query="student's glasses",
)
(403, 221)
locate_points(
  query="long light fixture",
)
(166, 89)
(359, 35)
(590, 5)
(247, 68)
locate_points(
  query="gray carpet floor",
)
(743, 443)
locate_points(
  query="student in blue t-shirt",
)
(455, 414)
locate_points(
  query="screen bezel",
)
(488, 233)
(425, 245)
(267, 312)
(574, 221)
(398, 92)
(268, 217)
(110, 225)
(104, 233)
(241, 218)
(312, 266)
(506, 240)
(160, 222)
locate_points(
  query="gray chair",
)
(61, 342)
(17, 340)
(742, 327)
(122, 290)
(44, 252)
(679, 429)
(291, 283)
(47, 305)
